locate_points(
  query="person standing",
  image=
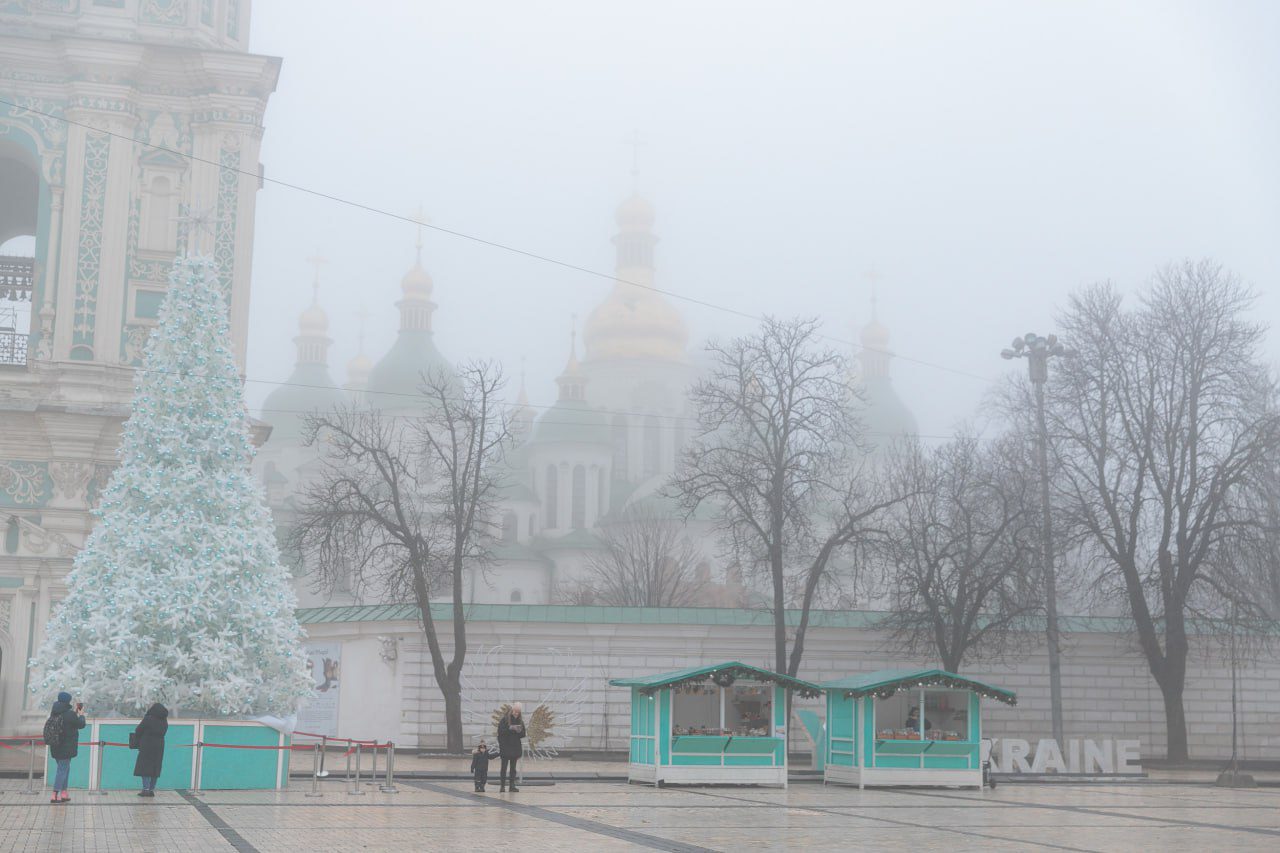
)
(62, 734)
(150, 739)
(480, 766)
(510, 733)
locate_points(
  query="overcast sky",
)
(981, 158)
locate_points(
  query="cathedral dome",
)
(396, 380)
(314, 321)
(635, 321)
(635, 214)
(309, 388)
(417, 282)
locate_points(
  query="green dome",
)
(572, 422)
(309, 388)
(884, 415)
(397, 378)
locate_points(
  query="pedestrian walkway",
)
(604, 816)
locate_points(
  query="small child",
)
(480, 766)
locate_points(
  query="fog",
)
(976, 161)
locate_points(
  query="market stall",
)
(722, 724)
(907, 727)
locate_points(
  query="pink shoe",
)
(66, 796)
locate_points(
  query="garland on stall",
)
(885, 691)
(726, 676)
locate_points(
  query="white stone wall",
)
(1108, 690)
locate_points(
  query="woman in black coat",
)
(150, 735)
(510, 733)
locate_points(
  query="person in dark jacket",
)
(68, 747)
(150, 736)
(510, 733)
(480, 766)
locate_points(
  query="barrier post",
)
(355, 782)
(315, 773)
(102, 757)
(373, 774)
(199, 768)
(31, 768)
(389, 786)
(324, 747)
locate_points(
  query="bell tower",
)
(118, 119)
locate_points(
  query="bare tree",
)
(646, 561)
(960, 550)
(775, 454)
(1159, 425)
(404, 507)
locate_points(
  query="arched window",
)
(652, 446)
(620, 447)
(20, 189)
(516, 596)
(509, 523)
(553, 497)
(601, 487)
(579, 496)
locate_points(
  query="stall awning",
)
(722, 674)
(886, 682)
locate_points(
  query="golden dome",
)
(635, 214)
(313, 321)
(360, 366)
(875, 335)
(635, 323)
(416, 282)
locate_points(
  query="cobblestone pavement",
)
(602, 816)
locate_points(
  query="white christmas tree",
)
(178, 595)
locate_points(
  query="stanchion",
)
(97, 782)
(199, 768)
(315, 773)
(389, 786)
(31, 768)
(373, 774)
(355, 782)
(324, 747)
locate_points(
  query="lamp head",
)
(1019, 344)
(1007, 354)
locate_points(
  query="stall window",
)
(749, 709)
(945, 715)
(695, 710)
(892, 715)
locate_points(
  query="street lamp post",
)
(1037, 351)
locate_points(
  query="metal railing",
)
(13, 347)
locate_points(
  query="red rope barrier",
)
(292, 747)
(337, 739)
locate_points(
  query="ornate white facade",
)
(113, 114)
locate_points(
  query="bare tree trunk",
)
(452, 693)
(779, 607)
(1175, 721)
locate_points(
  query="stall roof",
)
(734, 668)
(885, 682)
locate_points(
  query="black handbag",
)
(133, 740)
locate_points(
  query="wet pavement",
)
(586, 816)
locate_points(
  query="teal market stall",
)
(907, 727)
(721, 724)
(235, 755)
